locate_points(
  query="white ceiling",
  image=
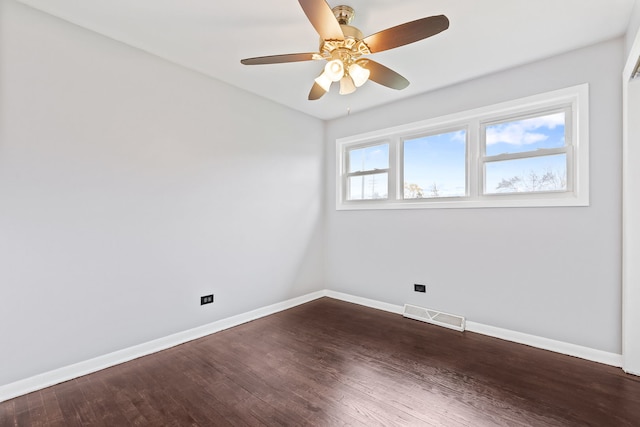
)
(211, 36)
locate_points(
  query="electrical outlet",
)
(207, 299)
(419, 288)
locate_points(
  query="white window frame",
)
(367, 172)
(575, 100)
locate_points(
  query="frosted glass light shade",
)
(359, 74)
(324, 81)
(334, 70)
(346, 85)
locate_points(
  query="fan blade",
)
(406, 33)
(279, 59)
(316, 92)
(385, 76)
(322, 18)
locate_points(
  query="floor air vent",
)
(432, 316)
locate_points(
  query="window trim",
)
(575, 98)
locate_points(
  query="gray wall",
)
(551, 272)
(634, 26)
(129, 187)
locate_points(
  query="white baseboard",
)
(574, 350)
(628, 371)
(47, 379)
(66, 373)
(392, 308)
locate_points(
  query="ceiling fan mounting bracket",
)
(344, 14)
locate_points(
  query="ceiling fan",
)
(343, 46)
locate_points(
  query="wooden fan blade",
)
(384, 76)
(279, 59)
(406, 33)
(322, 18)
(316, 92)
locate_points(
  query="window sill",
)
(494, 201)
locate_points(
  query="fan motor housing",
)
(351, 32)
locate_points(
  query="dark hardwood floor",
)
(333, 363)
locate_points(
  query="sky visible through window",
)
(526, 135)
(369, 158)
(533, 174)
(435, 166)
(375, 185)
(546, 173)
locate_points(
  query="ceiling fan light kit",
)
(343, 46)
(347, 86)
(358, 73)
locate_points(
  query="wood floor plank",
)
(21, 409)
(125, 388)
(37, 411)
(7, 413)
(97, 395)
(206, 393)
(53, 413)
(76, 411)
(281, 406)
(331, 363)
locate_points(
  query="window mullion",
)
(570, 133)
(475, 175)
(396, 169)
(343, 159)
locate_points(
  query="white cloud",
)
(523, 132)
(459, 136)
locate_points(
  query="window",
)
(367, 172)
(434, 165)
(528, 152)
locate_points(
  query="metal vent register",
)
(439, 318)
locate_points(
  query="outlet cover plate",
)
(207, 299)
